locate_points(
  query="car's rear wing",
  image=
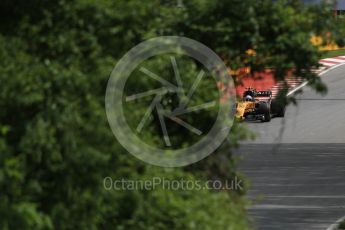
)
(264, 93)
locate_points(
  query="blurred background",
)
(56, 146)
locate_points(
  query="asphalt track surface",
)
(297, 164)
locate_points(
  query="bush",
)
(341, 225)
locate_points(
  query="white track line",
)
(320, 74)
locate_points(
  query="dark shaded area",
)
(295, 186)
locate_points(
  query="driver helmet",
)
(248, 98)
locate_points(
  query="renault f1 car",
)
(258, 105)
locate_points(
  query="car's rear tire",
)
(278, 108)
(281, 113)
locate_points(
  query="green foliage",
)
(333, 53)
(55, 143)
(341, 225)
(178, 209)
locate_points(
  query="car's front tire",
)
(264, 109)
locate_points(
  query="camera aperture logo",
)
(169, 100)
(182, 107)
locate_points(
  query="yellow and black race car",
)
(258, 105)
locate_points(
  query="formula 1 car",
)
(258, 105)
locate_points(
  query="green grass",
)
(333, 53)
(341, 225)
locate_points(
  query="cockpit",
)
(249, 95)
